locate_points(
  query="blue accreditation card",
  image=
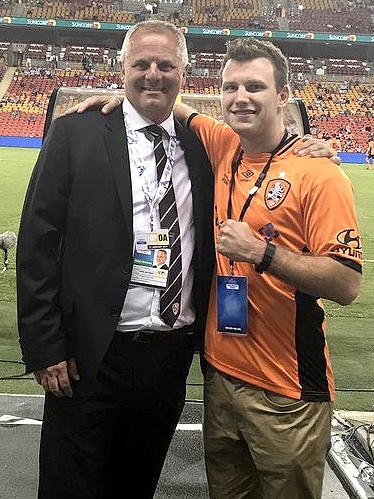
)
(232, 305)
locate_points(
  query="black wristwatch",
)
(266, 261)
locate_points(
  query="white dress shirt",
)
(141, 309)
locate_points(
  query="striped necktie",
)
(170, 299)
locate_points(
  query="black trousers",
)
(114, 434)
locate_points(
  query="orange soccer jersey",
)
(304, 205)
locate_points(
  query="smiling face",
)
(153, 73)
(161, 257)
(251, 104)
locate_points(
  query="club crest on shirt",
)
(276, 192)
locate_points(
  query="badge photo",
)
(161, 259)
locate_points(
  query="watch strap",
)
(267, 258)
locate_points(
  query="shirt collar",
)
(138, 121)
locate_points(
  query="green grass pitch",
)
(351, 329)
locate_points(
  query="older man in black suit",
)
(110, 346)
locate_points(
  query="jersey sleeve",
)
(329, 215)
(215, 136)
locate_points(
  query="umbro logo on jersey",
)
(225, 179)
(276, 192)
(247, 175)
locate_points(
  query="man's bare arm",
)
(315, 275)
(319, 276)
(182, 112)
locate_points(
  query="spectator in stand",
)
(335, 143)
(370, 154)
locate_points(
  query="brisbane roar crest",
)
(276, 192)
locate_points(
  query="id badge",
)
(232, 305)
(151, 259)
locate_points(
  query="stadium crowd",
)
(342, 110)
(310, 15)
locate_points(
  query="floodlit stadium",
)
(54, 54)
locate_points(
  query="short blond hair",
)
(156, 26)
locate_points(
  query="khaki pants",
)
(259, 445)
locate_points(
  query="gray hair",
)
(156, 26)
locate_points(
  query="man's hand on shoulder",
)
(56, 379)
(317, 148)
(105, 103)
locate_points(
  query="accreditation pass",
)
(232, 305)
(151, 258)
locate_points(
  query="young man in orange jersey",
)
(286, 225)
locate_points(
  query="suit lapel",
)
(191, 154)
(188, 145)
(186, 142)
(116, 144)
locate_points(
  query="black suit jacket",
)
(75, 246)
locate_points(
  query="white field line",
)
(8, 420)
(19, 395)
(189, 427)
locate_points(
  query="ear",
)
(283, 96)
(122, 75)
(184, 77)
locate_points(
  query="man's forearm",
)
(182, 112)
(315, 275)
